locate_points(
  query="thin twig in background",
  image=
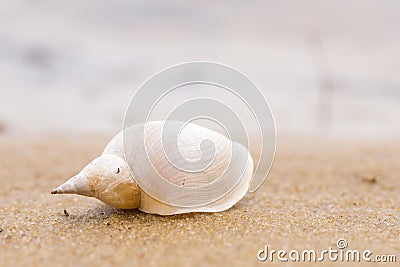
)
(326, 87)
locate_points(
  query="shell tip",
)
(55, 191)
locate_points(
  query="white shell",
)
(213, 159)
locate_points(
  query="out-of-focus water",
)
(327, 67)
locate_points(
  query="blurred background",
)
(327, 68)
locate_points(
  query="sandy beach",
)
(317, 193)
(330, 73)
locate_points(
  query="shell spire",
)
(106, 178)
(76, 185)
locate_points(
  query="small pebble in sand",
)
(369, 180)
(66, 213)
(1, 230)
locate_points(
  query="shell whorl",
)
(196, 161)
